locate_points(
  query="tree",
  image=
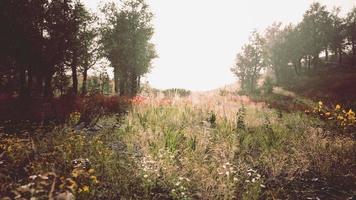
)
(314, 29)
(125, 39)
(351, 32)
(40, 40)
(250, 62)
(337, 34)
(82, 54)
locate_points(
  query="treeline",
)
(48, 46)
(321, 38)
(176, 92)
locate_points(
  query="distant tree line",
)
(321, 38)
(176, 92)
(48, 46)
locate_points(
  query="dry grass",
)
(205, 146)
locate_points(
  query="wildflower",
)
(337, 107)
(94, 179)
(350, 113)
(85, 188)
(75, 174)
(320, 103)
(327, 114)
(71, 184)
(91, 171)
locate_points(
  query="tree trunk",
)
(353, 52)
(340, 56)
(48, 93)
(133, 83)
(84, 84)
(122, 87)
(29, 81)
(74, 74)
(138, 85)
(297, 66)
(316, 60)
(117, 86)
(22, 91)
(326, 54)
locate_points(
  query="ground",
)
(211, 145)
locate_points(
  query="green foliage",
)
(166, 152)
(250, 62)
(293, 50)
(212, 119)
(176, 91)
(267, 86)
(99, 84)
(41, 40)
(240, 121)
(125, 42)
(223, 92)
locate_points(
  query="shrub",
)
(176, 91)
(267, 86)
(59, 109)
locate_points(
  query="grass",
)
(207, 146)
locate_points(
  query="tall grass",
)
(175, 150)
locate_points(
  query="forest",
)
(77, 120)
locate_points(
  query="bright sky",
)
(197, 40)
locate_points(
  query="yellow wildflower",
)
(77, 172)
(94, 179)
(351, 113)
(71, 184)
(91, 171)
(337, 107)
(85, 188)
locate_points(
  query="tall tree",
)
(314, 31)
(126, 43)
(337, 33)
(351, 32)
(82, 41)
(250, 62)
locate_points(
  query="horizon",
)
(208, 50)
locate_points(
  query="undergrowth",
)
(173, 151)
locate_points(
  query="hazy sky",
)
(197, 40)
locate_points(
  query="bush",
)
(176, 91)
(267, 86)
(59, 109)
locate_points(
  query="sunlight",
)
(202, 37)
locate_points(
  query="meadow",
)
(212, 145)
